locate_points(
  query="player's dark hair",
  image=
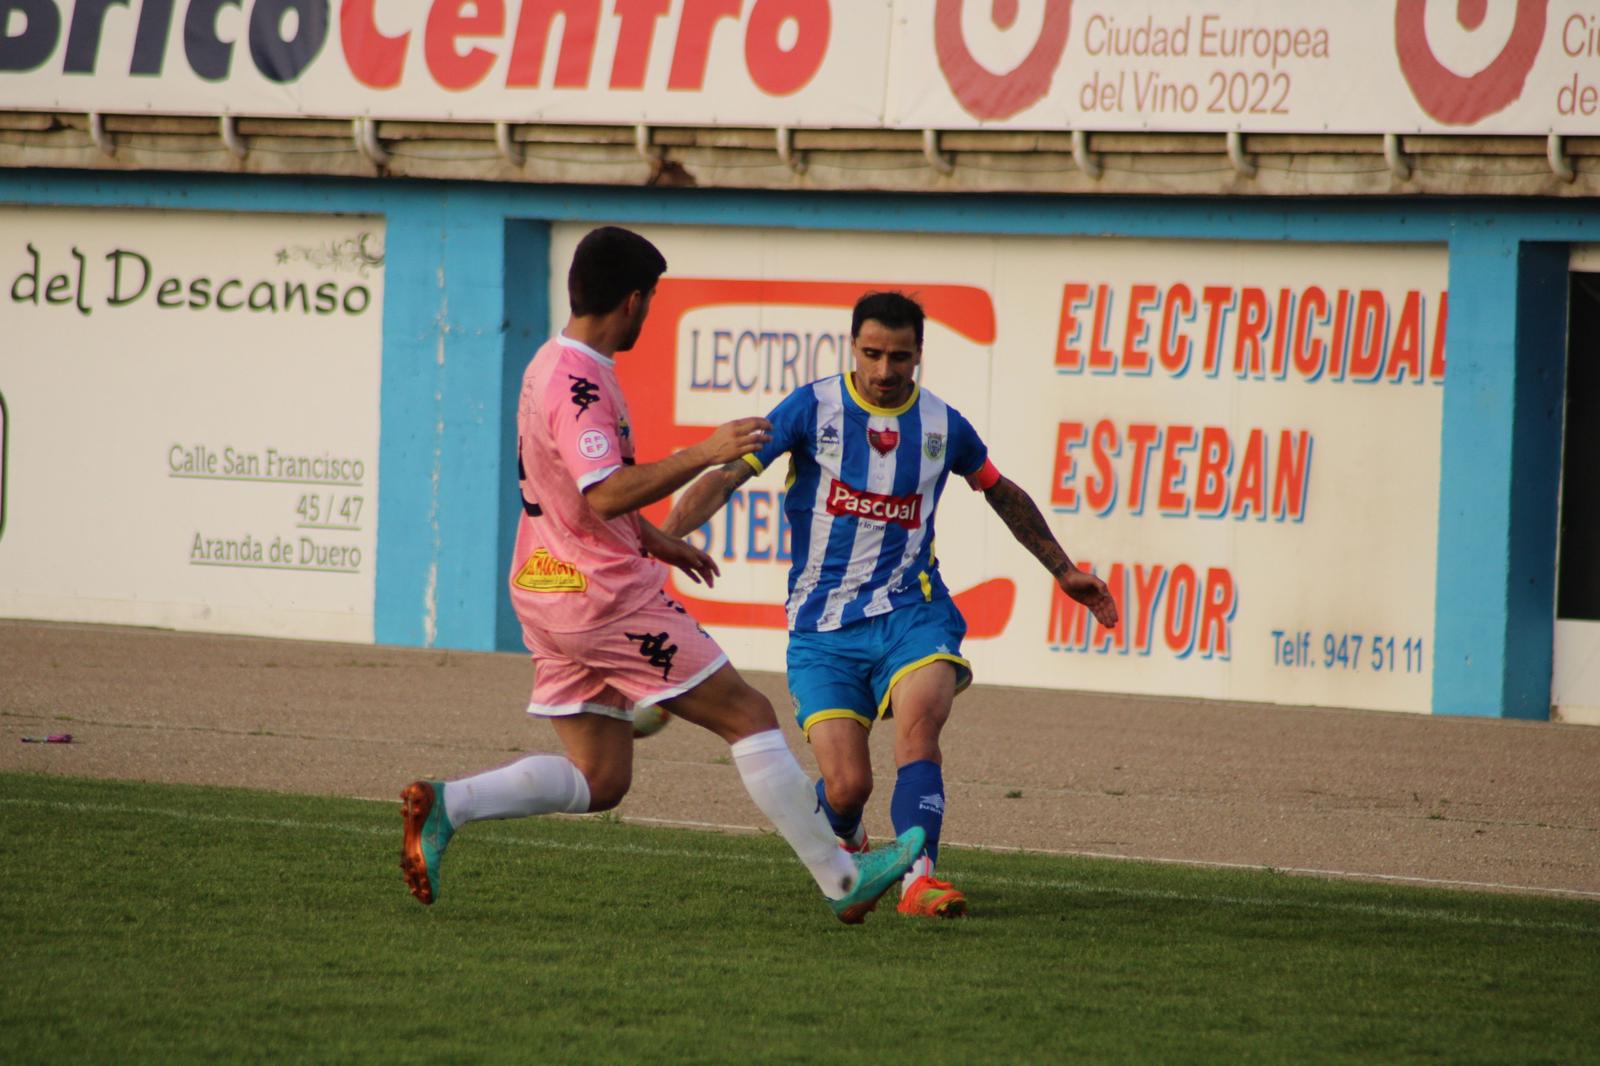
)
(894, 309)
(610, 263)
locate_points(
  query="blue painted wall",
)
(466, 283)
(1500, 473)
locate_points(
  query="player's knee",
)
(918, 738)
(607, 786)
(849, 790)
(752, 713)
(916, 747)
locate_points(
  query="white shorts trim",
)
(567, 710)
(674, 693)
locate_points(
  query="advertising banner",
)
(1511, 67)
(724, 62)
(1398, 66)
(191, 419)
(1241, 439)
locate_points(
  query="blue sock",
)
(919, 800)
(843, 827)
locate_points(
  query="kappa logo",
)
(884, 440)
(654, 647)
(585, 393)
(933, 445)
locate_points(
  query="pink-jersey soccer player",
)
(586, 582)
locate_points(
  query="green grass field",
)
(159, 923)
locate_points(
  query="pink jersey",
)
(572, 570)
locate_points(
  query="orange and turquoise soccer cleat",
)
(876, 873)
(427, 832)
(933, 899)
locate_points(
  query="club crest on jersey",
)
(933, 445)
(828, 439)
(876, 507)
(884, 440)
(543, 572)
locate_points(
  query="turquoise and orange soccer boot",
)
(876, 873)
(427, 833)
(932, 899)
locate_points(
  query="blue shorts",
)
(850, 672)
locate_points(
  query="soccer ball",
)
(648, 721)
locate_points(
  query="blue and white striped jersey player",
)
(873, 632)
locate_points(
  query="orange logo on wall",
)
(981, 92)
(1448, 96)
(648, 375)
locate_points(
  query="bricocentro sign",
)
(784, 41)
(1523, 67)
(283, 37)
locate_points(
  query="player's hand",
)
(742, 436)
(1092, 593)
(701, 568)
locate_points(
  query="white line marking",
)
(1415, 913)
(1203, 863)
(1310, 870)
(679, 823)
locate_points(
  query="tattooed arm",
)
(629, 488)
(1021, 515)
(705, 497)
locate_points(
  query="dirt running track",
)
(1466, 802)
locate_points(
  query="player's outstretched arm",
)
(706, 497)
(1021, 515)
(632, 487)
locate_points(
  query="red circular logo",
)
(1448, 96)
(984, 94)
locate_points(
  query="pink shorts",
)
(655, 653)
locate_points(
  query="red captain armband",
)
(986, 477)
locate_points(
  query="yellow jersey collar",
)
(874, 409)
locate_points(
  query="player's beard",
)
(893, 394)
(635, 328)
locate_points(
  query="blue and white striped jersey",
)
(864, 482)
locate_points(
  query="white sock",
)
(923, 865)
(539, 784)
(786, 796)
